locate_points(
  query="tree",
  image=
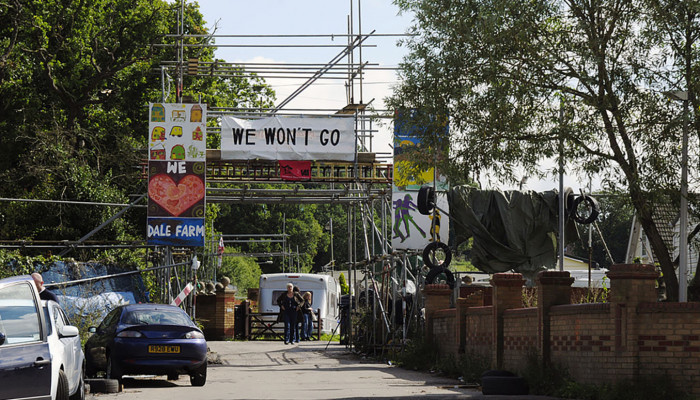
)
(244, 272)
(519, 79)
(344, 287)
(611, 231)
(75, 77)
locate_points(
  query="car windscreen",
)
(156, 317)
(19, 316)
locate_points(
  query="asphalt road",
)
(273, 370)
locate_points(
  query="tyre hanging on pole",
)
(588, 214)
(426, 200)
(431, 251)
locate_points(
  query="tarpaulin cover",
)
(512, 230)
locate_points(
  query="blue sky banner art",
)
(409, 134)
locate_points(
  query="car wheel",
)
(113, 371)
(62, 386)
(173, 377)
(80, 392)
(103, 385)
(199, 376)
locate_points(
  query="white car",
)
(67, 357)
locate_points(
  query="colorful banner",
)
(295, 170)
(288, 138)
(412, 230)
(408, 147)
(177, 174)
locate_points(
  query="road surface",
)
(272, 370)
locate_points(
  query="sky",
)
(326, 17)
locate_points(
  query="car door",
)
(25, 360)
(96, 346)
(73, 349)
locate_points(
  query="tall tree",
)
(519, 79)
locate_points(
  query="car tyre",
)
(429, 255)
(103, 385)
(62, 386)
(80, 392)
(426, 200)
(591, 206)
(435, 272)
(199, 376)
(173, 377)
(113, 372)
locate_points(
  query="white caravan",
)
(325, 294)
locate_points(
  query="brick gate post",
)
(507, 294)
(553, 289)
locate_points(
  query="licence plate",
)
(153, 348)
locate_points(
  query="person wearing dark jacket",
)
(289, 303)
(44, 293)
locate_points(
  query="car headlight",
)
(129, 334)
(194, 335)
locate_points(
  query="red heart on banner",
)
(176, 198)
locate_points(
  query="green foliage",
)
(344, 287)
(554, 380)
(244, 273)
(612, 229)
(517, 79)
(13, 263)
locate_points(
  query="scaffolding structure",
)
(363, 186)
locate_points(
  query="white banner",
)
(288, 138)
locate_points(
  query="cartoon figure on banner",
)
(196, 113)
(197, 134)
(176, 131)
(435, 226)
(158, 134)
(177, 152)
(178, 115)
(158, 113)
(402, 215)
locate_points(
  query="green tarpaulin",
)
(512, 230)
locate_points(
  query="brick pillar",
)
(437, 297)
(507, 294)
(475, 299)
(630, 284)
(225, 314)
(553, 288)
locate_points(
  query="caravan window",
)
(277, 293)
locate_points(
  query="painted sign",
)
(413, 230)
(177, 174)
(295, 170)
(408, 147)
(288, 138)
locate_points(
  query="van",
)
(325, 294)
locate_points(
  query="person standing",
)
(289, 304)
(44, 293)
(307, 326)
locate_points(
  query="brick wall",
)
(216, 314)
(479, 331)
(519, 337)
(631, 337)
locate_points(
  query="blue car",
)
(147, 339)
